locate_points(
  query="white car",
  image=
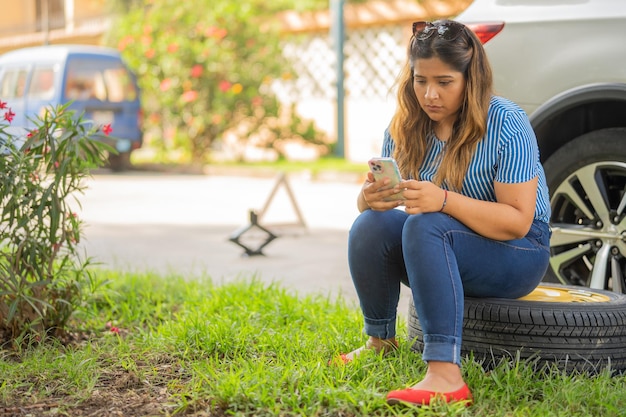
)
(564, 62)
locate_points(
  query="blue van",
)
(94, 79)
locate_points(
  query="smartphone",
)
(385, 167)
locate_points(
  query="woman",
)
(476, 207)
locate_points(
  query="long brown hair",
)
(410, 125)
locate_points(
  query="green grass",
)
(252, 349)
(324, 164)
(320, 165)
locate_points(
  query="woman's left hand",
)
(422, 196)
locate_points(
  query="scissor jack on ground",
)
(253, 247)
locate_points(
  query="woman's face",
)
(440, 90)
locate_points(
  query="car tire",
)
(587, 179)
(119, 162)
(572, 328)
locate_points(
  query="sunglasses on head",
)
(447, 30)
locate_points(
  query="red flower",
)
(165, 84)
(125, 42)
(112, 329)
(224, 85)
(32, 133)
(215, 32)
(9, 115)
(3, 105)
(257, 101)
(107, 129)
(196, 71)
(189, 96)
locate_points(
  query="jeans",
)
(442, 261)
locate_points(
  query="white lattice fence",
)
(373, 57)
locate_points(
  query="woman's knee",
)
(423, 224)
(378, 225)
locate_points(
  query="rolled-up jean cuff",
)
(438, 347)
(383, 329)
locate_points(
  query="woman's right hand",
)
(373, 197)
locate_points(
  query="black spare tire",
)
(572, 327)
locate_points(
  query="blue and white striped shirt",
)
(508, 153)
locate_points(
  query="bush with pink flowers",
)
(205, 68)
(42, 277)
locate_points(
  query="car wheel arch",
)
(577, 111)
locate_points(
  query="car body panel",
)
(524, 57)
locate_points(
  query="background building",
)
(39, 22)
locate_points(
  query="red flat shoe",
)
(422, 397)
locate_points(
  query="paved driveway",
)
(157, 222)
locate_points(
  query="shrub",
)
(42, 278)
(206, 68)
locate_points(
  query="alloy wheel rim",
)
(588, 244)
